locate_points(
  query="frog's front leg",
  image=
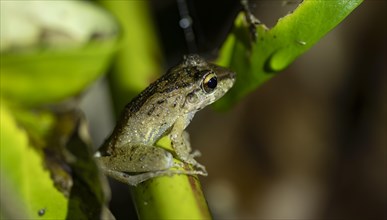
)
(147, 161)
(182, 146)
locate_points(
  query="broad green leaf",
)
(27, 183)
(55, 24)
(52, 75)
(60, 144)
(51, 51)
(277, 48)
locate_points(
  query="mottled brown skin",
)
(166, 107)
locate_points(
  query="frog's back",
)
(152, 113)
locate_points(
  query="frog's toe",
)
(195, 153)
(201, 167)
(202, 171)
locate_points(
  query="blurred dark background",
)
(308, 144)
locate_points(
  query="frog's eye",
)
(209, 83)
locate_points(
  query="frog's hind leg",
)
(146, 160)
(137, 158)
(135, 179)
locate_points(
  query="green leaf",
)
(51, 75)
(27, 184)
(277, 48)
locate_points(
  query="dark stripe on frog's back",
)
(169, 82)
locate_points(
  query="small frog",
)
(166, 107)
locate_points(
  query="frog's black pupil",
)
(212, 83)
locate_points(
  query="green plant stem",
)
(170, 197)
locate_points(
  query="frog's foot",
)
(201, 168)
(190, 160)
(134, 180)
(196, 164)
